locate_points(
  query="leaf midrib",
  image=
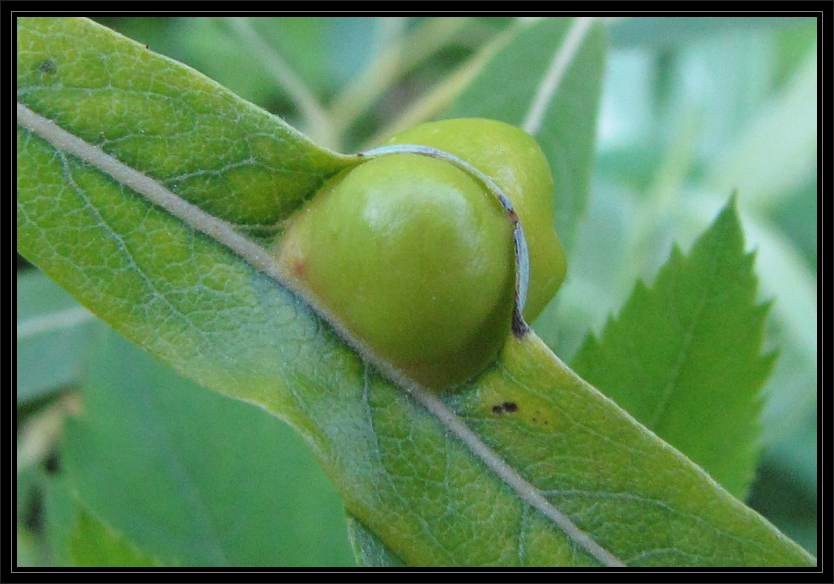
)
(223, 233)
(683, 354)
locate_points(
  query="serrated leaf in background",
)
(712, 73)
(684, 356)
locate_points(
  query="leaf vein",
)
(259, 258)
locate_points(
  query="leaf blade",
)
(228, 485)
(233, 157)
(683, 356)
(400, 469)
(94, 543)
(368, 549)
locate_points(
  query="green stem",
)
(442, 95)
(317, 122)
(391, 64)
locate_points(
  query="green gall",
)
(513, 159)
(414, 257)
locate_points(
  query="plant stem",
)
(442, 94)
(392, 62)
(317, 122)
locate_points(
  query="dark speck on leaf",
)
(47, 66)
(509, 407)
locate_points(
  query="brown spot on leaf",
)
(298, 268)
(507, 406)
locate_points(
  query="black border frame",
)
(822, 10)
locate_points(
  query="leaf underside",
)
(368, 549)
(195, 451)
(401, 472)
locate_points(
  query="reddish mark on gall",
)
(298, 268)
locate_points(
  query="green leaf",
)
(684, 356)
(234, 160)
(52, 333)
(368, 549)
(529, 465)
(78, 538)
(60, 513)
(555, 100)
(784, 277)
(93, 543)
(221, 482)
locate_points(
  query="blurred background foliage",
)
(692, 110)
